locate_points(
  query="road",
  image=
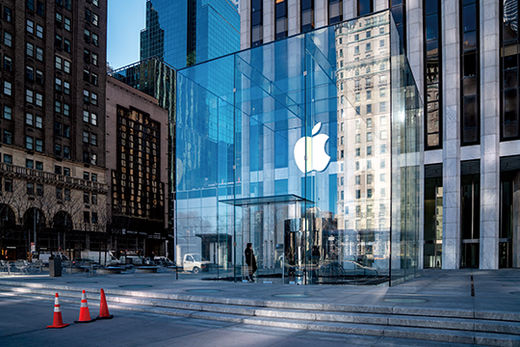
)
(23, 321)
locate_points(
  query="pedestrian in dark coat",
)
(250, 260)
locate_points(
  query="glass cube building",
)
(309, 148)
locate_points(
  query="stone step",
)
(308, 315)
(290, 305)
(450, 336)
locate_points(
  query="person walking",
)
(251, 261)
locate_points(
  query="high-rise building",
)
(186, 32)
(137, 163)
(52, 126)
(464, 59)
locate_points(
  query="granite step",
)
(428, 334)
(290, 305)
(456, 330)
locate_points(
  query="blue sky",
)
(126, 18)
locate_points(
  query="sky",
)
(126, 18)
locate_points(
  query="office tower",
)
(137, 163)
(52, 126)
(187, 32)
(469, 87)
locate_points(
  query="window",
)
(66, 88)
(57, 84)
(29, 119)
(93, 177)
(29, 96)
(398, 9)
(29, 49)
(57, 149)
(59, 193)
(369, 193)
(510, 85)
(66, 45)
(29, 73)
(8, 88)
(57, 169)
(86, 217)
(39, 189)
(29, 143)
(58, 42)
(93, 98)
(86, 96)
(358, 194)
(94, 79)
(8, 112)
(30, 188)
(66, 152)
(94, 217)
(86, 198)
(39, 165)
(432, 72)
(66, 66)
(39, 122)
(58, 62)
(93, 199)
(85, 137)
(86, 36)
(40, 8)
(95, 40)
(39, 31)
(66, 110)
(66, 24)
(39, 145)
(8, 64)
(470, 109)
(8, 39)
(93, 139)
(256, 22)
(66, 171)
(29, 26)
(86, 176)
(364, 7)
(93, 119)
(307, 15)
(94, 59)
(39, 54)
(86, 116)
(29, 163)
(335, 11)
(8, 14)
(281, 21)
(8, 137)
(39, 77)
(39, 99)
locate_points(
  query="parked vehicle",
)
(99, 257)
(163, 261)
(44, 257)
(193, 262)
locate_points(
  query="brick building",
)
(52, 126)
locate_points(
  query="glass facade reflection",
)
(310, 150)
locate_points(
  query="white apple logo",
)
(317, 158)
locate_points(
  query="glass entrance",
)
(433, 216)
(470, 215)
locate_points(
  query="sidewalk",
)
(495, 291)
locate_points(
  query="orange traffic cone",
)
(57, 321)
(84, 314)
(103, 307)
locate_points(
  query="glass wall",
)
(309, 151)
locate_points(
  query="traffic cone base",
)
(84, 314)
(57, 326)
(103, 307)
(57, 322)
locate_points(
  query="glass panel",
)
(267, 156)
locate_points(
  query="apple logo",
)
(317, 158)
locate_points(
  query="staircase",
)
(443, 325)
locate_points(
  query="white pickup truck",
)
(193, 262)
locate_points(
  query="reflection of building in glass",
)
(363, 77)
(185, 32)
